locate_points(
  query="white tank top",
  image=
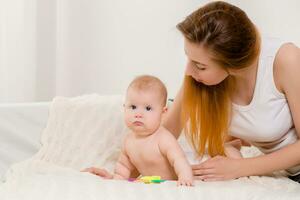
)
(267, 121)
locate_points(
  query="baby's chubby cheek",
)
(153, 125)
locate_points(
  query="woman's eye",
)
(148, 108)
(200, 67)
(133, 107)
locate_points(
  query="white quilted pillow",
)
(83, 131)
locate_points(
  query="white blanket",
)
(53, 173)
(42, 180)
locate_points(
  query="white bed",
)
(48, 153)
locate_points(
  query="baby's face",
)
(143, 111)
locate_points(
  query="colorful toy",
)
(148, 179)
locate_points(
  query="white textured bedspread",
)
(41, 180)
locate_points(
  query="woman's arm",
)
(279, 160)
(286, 76)
(221, 168)
(172, 120)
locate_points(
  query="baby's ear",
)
(165, 109)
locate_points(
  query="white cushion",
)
(83, 131)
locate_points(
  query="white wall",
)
(276, 18)
(17, 50)
(109, 42)
(71, 47)
(46, 44)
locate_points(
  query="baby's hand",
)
(99, 172)
(185, 181)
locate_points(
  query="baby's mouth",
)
(138, 123)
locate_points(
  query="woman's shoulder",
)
(286, 64)
(288, 52)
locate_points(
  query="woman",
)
(237, 85)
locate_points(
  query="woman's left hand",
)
(218, 168)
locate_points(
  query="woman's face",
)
(200, 65)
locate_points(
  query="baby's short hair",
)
(146, 82)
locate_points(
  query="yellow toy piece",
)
(151, 179)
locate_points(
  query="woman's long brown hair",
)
(232, 39)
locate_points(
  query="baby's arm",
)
(170, 148)
(124, 168)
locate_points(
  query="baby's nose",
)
(138, 116)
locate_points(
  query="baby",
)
(149, 148)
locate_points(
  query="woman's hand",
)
(99, 172)
(218, 168)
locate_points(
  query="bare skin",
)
(158, 154)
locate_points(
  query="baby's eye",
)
(133, 107)
(148, 108)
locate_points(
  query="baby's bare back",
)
(145, 155)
